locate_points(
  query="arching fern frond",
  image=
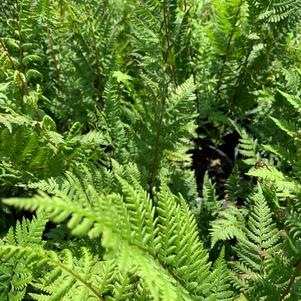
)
(286, 186)
(142, 236)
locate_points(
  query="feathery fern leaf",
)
(154, 247)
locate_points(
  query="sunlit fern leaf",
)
(75, 278)
(151, 246)
(285, 185)
(175, 219)
(69, 275)
(209, 201)
(16, 274)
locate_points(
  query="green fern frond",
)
(248, 147)
(11, 119)
(16, 274)
(285, 185)
(286, 126)
(228, 225)
(261, 241)
(168, 126)
(66, 275)
(220, 279)
(284, 13)
(293, 223)
(234, 188)
(152, 246)
(210, 199)
(226, 14)
(293, 100)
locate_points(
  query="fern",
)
(228, 225)
(102, 104)
(284, 185)
(16, 276)
(261, 241)
(149, 246)
(220, 277)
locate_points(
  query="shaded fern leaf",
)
(220, 279)
(261, 241)
(228, 225)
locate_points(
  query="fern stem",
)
(169, 53)
(296, 273)
(80, 279)
(225, 59)
(22, 81)
(56, 64)
(154, 164)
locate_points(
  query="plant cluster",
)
(150, 150)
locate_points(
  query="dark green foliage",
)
(150, 150)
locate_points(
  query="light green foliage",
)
(16, 275)
(170, 261)
(150, 150)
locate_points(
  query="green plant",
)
(150, 150)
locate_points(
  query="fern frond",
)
(220, 277)
(260, 242)
(153, 247)
(285, 185)
(17, 274)
(228, 225)
(293, 100)
(248, 147)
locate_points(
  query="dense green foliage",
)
(150, 150)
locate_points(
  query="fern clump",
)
(150, 150)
